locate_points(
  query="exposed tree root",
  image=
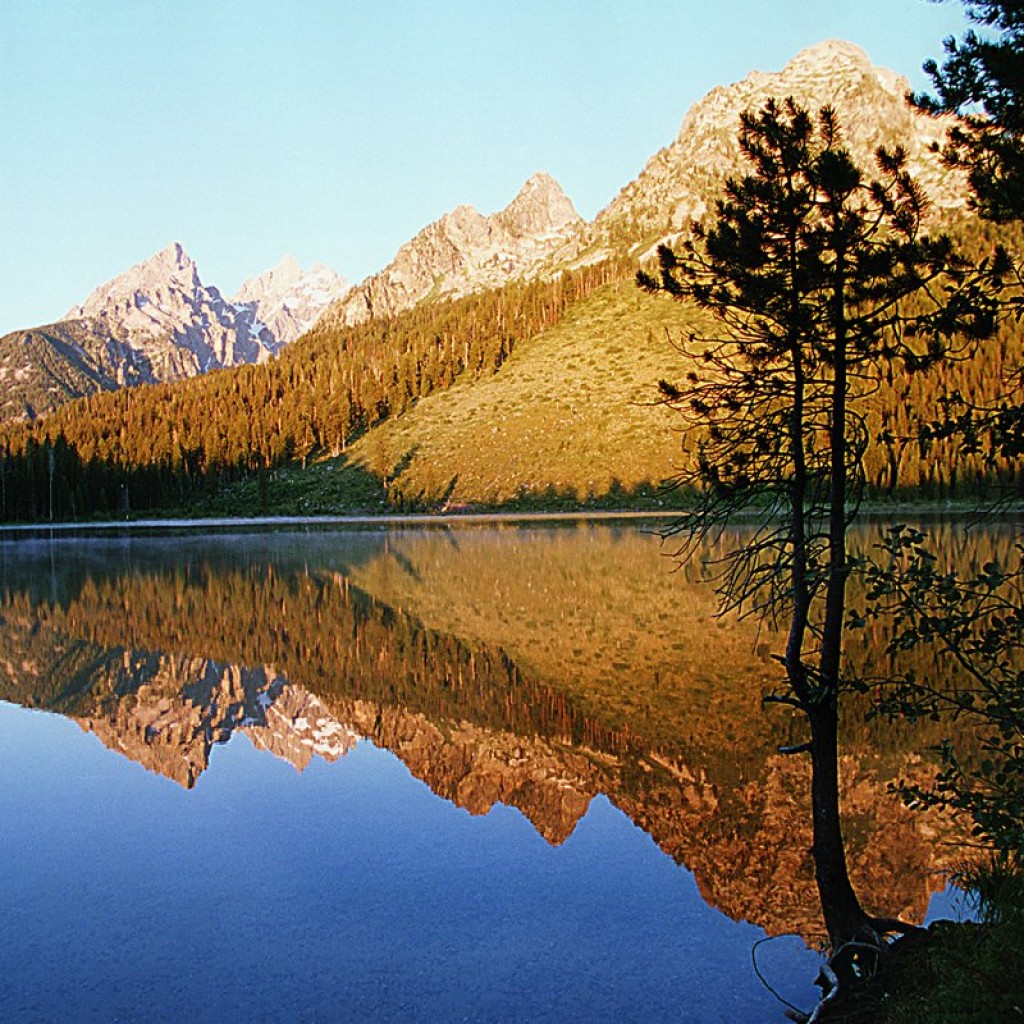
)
(851, 967)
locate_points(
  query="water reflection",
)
(533, 668)
(263, 895)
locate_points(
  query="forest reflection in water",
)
(536, 668)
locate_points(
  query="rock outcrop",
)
(296, 726)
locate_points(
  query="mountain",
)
(540, 232)
(288, 300)
(570, 414)
(465, 251)
(681, 182)
(456, 255)
(533, 317)
(158, 321)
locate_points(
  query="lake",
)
(484, 772)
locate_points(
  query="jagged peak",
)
(540, 205)
(287, 268)
(288, 262)
(174, 250)
(171, 265)
(821, 73)
(464, 211)
(281, 276)
(542, 182)
(680, 183)
(464, 251)
(834, 55)
(171, 258)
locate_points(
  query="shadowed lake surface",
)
(534, 782)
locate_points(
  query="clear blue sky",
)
(335, 130)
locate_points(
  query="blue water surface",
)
(349, 891)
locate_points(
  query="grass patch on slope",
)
(570, 419)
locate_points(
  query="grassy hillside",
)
(569, 415)
(571, 418)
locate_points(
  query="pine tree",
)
(817, 281)
(982, 80)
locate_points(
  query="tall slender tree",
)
(817, 279)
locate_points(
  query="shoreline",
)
(221, 523)
(924, 510)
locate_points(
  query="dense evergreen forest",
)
(909, 453)
(160, 446)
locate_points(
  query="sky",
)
(333, 131)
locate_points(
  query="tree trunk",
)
(845, 919)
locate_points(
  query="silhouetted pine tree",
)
(819, 282)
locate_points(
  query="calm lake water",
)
(486, 773)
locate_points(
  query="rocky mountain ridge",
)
(466, 251)
(539, 233)
(158, 321)
(680, 183)
(172, 722)
(162, 309)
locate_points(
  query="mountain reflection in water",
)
(534, 668)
